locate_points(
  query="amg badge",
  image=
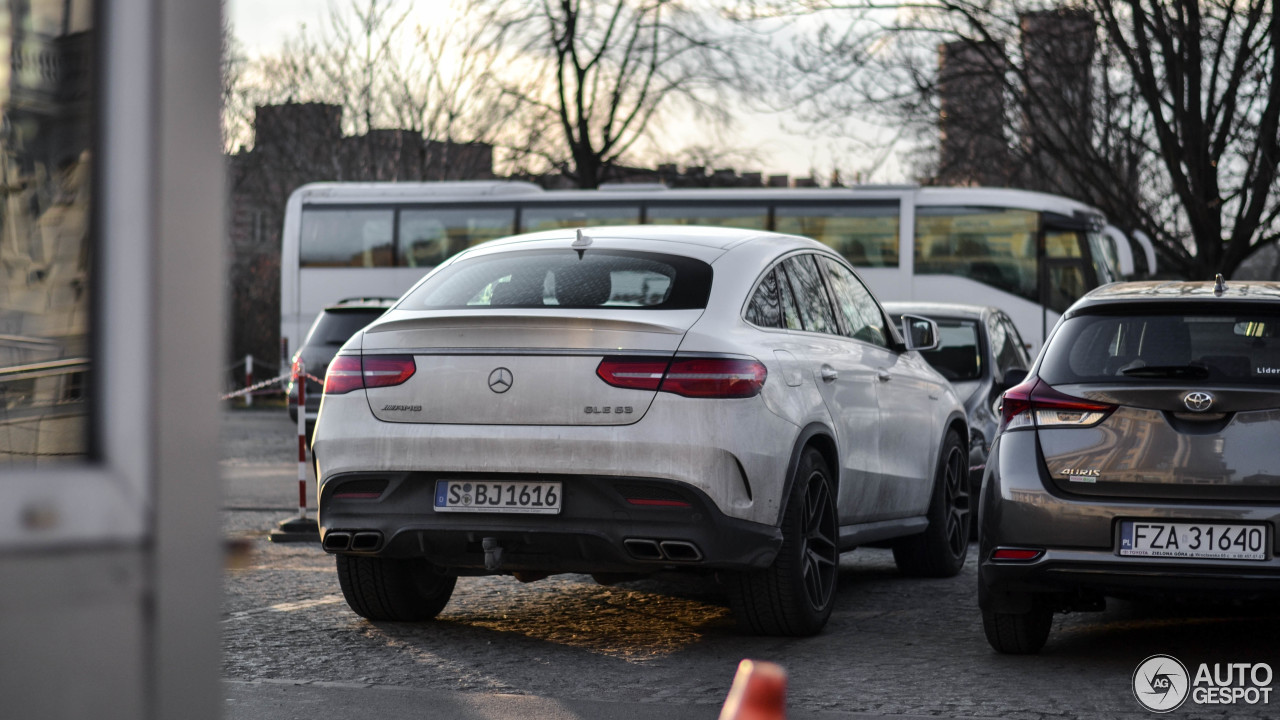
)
(401, 408)
(607, 410)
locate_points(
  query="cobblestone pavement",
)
(894, 646)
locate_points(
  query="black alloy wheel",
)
(941, 549)
(795, 594)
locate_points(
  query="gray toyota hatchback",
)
(1140, 457)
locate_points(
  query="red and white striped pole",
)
(302, 437)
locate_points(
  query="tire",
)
(392, 589)
(794, 595)
(940, 550)
(1018, 633)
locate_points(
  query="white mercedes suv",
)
(625, 400)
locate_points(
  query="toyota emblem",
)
(500, 380)
(1198, 401)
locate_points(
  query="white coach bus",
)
(1030, 254)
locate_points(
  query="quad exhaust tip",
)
(361, 541)
(672, 550)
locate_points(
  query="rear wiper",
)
(1188, 372)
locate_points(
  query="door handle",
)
(883, 375)
(828, 373)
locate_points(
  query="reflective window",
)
(1006, 343)
(750, 217)
(1066, 284)
(958, 355)
(46, 257)
(816, 313)
(1204, 345)
(533, 219)
(347, 238)
(1062, 244)
(790, 309)
(429, 237)
(765, 310)
(865, 234)
(550, 278)
(862, 317)
(989, 245)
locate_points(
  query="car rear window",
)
(334, 327)
(563, 278)
(1213, 346)
(957, 357)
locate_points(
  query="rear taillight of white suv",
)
(353, 372)
(699, 377)
(1033, 404)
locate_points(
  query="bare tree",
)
(1163, 114)
(611, 70)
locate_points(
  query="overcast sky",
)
(261, 25)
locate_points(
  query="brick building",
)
(298, 143)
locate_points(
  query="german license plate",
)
(1205, 541)
(538, 498)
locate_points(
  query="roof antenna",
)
(581, 244)
(1219, 285)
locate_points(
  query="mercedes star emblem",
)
(500, 380)
(1198, 401)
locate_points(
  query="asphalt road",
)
(567, 647)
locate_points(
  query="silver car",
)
(623, 401)
(981, 352)
(1138, 458)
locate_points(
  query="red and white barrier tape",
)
(255, 387)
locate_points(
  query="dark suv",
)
(1140, 457)
(332, 327)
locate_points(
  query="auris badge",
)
(1198, 401)
(500, 380)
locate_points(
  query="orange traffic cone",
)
(759, 692)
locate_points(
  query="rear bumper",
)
(1079, 536)
(734, 452)
(599, 529)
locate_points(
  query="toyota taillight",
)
(351, 372)
(699, 377)
(1034, 404)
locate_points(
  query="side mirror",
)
(920, 333)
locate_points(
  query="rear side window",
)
(815, 309)
(1213, 347)
(335, 327)
(958, 355)
(764, 309)
(562, 278)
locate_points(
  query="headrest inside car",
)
(583, 285)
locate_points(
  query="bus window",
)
(867, 235)
(533, 219)
(429, 237)
(750, 217)
(1061, 244)
(990, 245)
(1106, 260)
(1066, 285)
(346, 238)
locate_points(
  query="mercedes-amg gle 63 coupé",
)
(623, 401)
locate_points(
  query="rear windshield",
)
(562, 278)
(1215, 347)
(335, 327)
(957, 356)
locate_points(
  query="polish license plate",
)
(1205, 541)
(537, 498)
